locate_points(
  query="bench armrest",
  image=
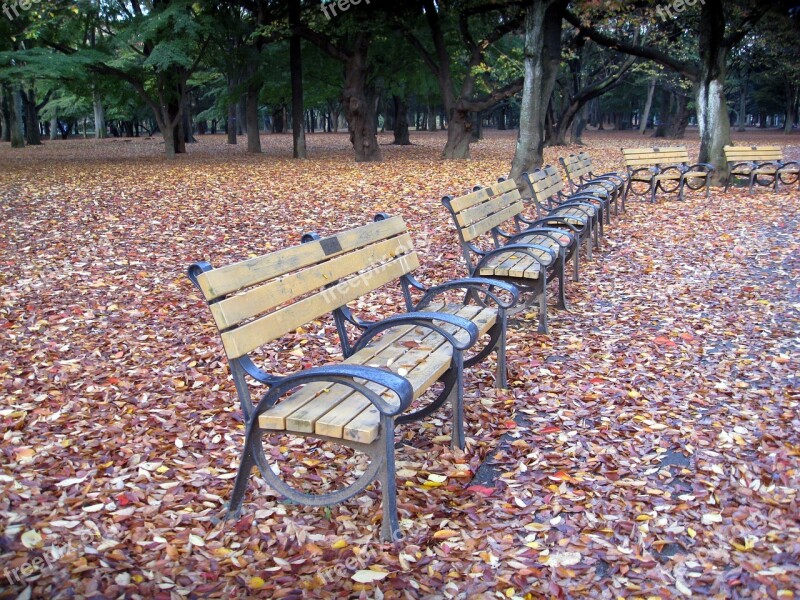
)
(423, 319)
(618, 176)
(544, 221)
(346, 375)
(788, 163)
(651, 171)
(585, 207)
(747, 163)
(479, 284)
(701, 165)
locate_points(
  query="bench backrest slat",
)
(753, 153)
(232, 278)
(464, 202)
(285, 289)
(640, 157)
(248, 337)
(546, 183)
(481, 211)
(577, 166)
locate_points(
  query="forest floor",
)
(649, 446)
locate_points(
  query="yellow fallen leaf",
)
(368, 576)
(339, 544)
(256, 583)
(32, 539)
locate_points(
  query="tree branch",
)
(687, 69)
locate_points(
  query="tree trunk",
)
(17, 129)
(253, 132)
(296, 72)
(712, 111)
(99, 116)
(578, 126)
(241, 115)
(459, 134)
(401, 136)
(529, 152)
(5, 112)
(231, 128)
(54, 128)
(359, 104)
(792, 92)
(647, 106)
(32, 136)
(431, 119)
(679, 118)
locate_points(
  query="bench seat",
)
(654, 167)
(419, 355)
(750, 162)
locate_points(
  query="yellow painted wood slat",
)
(232, 278)
(255, 301)
(250, 336)
(481, 227)
(468, 200)
(485, 209)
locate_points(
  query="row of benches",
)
(390, 364)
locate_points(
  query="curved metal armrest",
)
(346, 374)
(474, 283)
(584, 207)
(608, 176)
(348, 316)
(702, 165)
(544, 221)
(651, 171)
(748, 163)
(679, 168)
(423, 319)
(788, 163)
(769, 163)
(587, 196)
(257, 373)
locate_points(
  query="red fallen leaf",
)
(561, 476)
(122, 499)
(687, 337)
(550, 429)
(511, 424)
(481, 489)
(112, 381)
(596, 380)
(664, 341)
(244, 523)
(409, 344)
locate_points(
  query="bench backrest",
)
(545, 183)
(577, 166)
(735, 154)
(259, 300)
(645, 157)
(481, 211)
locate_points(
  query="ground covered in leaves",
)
(649, 446)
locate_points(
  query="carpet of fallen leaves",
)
(649, 447)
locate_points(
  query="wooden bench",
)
(580, 175)
(762, 165)
(387, 367)
(667, 169)
(583, 210)
(529, 254)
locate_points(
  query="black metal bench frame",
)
(360, 378)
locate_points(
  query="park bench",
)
(390, 365)
(580, 176)
(583, 209)
(527, 253)
(762, 165)
(667, 169)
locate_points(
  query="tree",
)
(721, 26)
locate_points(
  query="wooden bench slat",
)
(468, 200)
(250, 336)
(232, 311)
(483, 210)
(275, 418)
(481, 227)
(231, 278)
